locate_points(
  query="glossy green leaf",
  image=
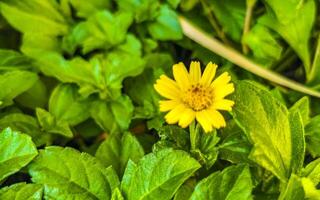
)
(233, 183)
(264, 124)
(117, 150)
(22, 191)
(158, 175)
(312, 171)
(68, 174)
(17, 150)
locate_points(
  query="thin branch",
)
(247, 23)
(237, 58)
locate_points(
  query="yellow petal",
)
(222, 91)
(216, 119)
(222, 80)
(166, 105)
(175, 114)
(208, 74)
(202, 118)
(195, 72)
(166, 87)
(187, 117)
(223, 104)
(181, 75)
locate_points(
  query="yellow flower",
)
(192, 96)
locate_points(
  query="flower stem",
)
(193, 135)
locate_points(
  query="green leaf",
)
(25, 124)
(17, 150)
(52, 125)
(114, 115)
(87, 8)
(14, 83)
(233, 183)
(295, 31)
(294, 189)
(158, 175)
(264, 120)
(204, 146)
(22, 191)
(166, 25)
(234, 146)
(123, 62)
(230, 15)
(69, 174)
(185, 191)
(102, 30)
(142, 10)
(66, 105)
(12, 60)
(263, 44)
(312, 171)
(173, 137)
(303, 107)
(117, 150)
(36, 96)
(32, 16)
(313, 136)
(116, 195)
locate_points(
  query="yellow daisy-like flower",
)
(192, 96)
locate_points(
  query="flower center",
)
(198, 97)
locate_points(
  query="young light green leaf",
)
(166, 25)
(69, 174)
(117, 150)
(158, 175)
(50, 124)
(66, 104)
(22, 191)
(14, 83)
(264, 120)
(233, 183)
(32, 16)
(16, 151)
(296, 31)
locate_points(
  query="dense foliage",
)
(80, 119)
